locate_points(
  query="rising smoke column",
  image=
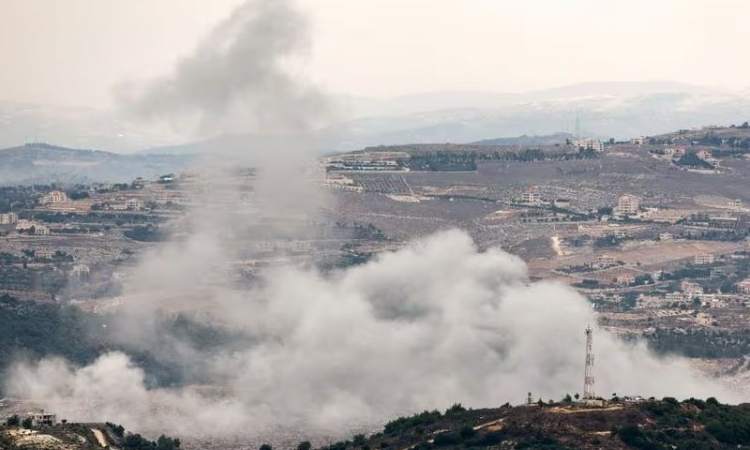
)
(238, 78)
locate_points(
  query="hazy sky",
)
(74, 51)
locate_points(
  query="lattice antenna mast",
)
(588, 379)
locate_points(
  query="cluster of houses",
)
(32, 227)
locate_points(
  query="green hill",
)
(648, 424)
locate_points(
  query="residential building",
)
(675, 297)
(628, 205)
(704, 258)
(41, 230)
(8, 218)
(134, 204)
(54, 197)
(532, 196)
(691, 289)
(42, 419)
(589, 144)
(625, 279)
(666, 236)
(743, 287)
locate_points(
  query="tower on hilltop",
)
(588, 379)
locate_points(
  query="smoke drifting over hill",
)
(434, 323)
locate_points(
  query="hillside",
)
(18, 432)
(737, 136)
(43, 163)
(650, 424)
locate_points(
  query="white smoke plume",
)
(434, 323)
(240, 78)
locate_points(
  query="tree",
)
(265, 447)
(576, 396)
(167, 443)
(13, 421)
(467, 432)
(304, 445)
(118, 430)
(456, 408)
(567, 399)
(359, 440)
(27, 422)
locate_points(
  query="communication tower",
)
(588, 379)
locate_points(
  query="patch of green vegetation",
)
(38, 329)
(404, 423)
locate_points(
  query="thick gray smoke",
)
(239, 79)
(432, 324)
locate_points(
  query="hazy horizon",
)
(370, 50)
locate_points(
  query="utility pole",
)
(588, 379)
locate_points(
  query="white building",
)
(42, 419)
(8, 218)
(54, 197)
(41, 230)
(628, 205)
(691, 289)
(625, 279)
(589, 144)
(743, 287)
(666, 236)
(134, 204)
(704, 258)
(531, 196)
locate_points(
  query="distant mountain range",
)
(76, 127)
(604, 110)
(621, 110)
(547, 139)
(43, 163)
